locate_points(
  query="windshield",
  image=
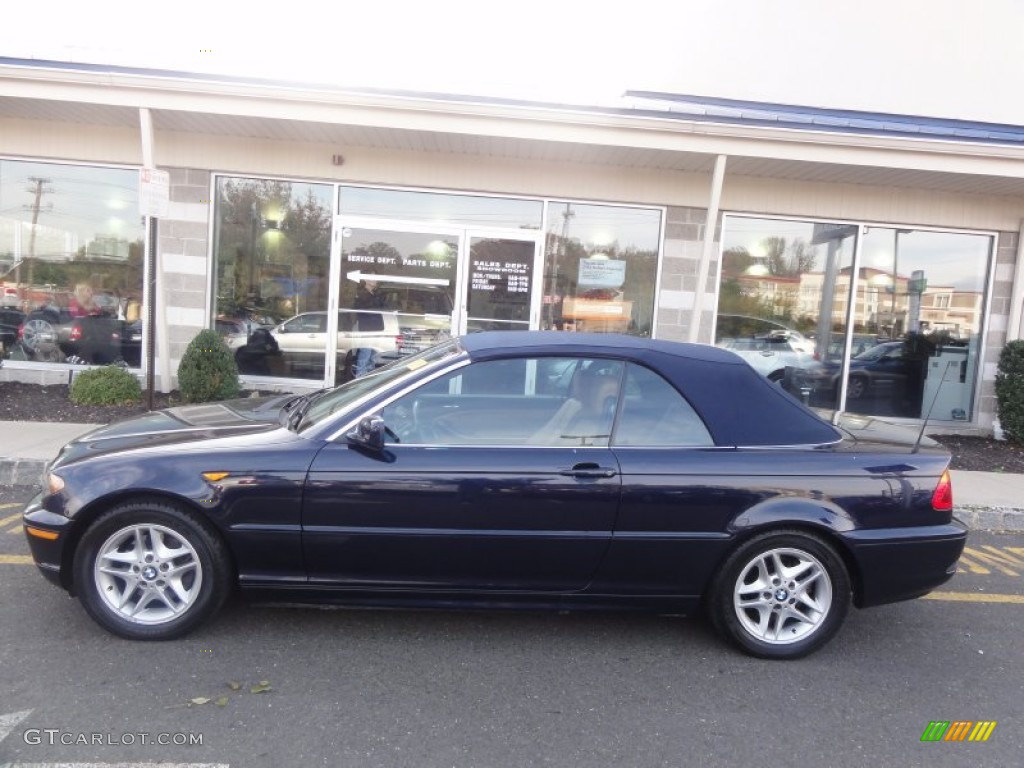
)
(340, 398)
(877, 352)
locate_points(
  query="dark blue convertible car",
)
(534, 469)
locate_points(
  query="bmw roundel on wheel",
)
(536, 469)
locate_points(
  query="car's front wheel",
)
(149, 570)
(781, 595)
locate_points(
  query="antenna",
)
(935, 397)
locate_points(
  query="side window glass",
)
(522, 401)
(655, 414)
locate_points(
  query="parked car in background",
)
(769, 354)
(302, 340)
(527, 469)
(881, 371)
(53, 334)
(235, 333)
(9, 296)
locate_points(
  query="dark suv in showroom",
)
(52, 334)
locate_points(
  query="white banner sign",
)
(154, 192)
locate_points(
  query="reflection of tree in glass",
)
(273, 248)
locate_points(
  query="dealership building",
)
(878, 253)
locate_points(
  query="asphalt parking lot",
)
(277, 685)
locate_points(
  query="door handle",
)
(588, 469)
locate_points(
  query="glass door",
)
(396, 291)
(402, 286)
(500, 289)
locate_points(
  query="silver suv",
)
(302, 339)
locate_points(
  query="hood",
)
(183, 424)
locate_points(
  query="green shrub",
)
(1010, 390)
(208, 370)
(110, 385)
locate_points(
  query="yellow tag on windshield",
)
(414, 364)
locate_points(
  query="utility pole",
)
(38, 187)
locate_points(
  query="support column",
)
(157, 310)
(708, 246)
(1013, 325)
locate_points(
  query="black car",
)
(10, 322)
(530, 469)
(53, 334)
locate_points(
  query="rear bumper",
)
(904, 563)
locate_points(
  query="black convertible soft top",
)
(738, 405)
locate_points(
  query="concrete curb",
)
(999, 519)
(22, 471)
(976, 517)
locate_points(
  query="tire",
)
(776, 377)
(856, 388)
(784, 614)
(149, 570)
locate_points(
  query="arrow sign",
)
(7, 722)
(358, 275)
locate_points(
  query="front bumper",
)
(47, 553)
(904, 563)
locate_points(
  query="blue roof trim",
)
(735, 111)
(646, 103)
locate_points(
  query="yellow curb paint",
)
(10, 519)
(973, 567)
(975, 597)
(994, 558)
(15, 560)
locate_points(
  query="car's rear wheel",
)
(149, 570)
(781, 595)
(856, 388)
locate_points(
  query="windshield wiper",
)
(295, 409)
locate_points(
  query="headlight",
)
(54, 483)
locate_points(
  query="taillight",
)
(21, 332)
(942, 497)
(76, 332)
(399, 340)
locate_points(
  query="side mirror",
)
(368, 434)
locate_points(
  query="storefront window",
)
(272, 250)
(908, 345)
(71, 264)
(600, 268)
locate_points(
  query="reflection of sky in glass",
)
(599, 226)
(947, 259)
(78, 204)
(466, 210)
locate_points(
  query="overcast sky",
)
(948, 58)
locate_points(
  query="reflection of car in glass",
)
(234, 332)
(52, 334)
(771, 353)
(302, 340)
(511, 468)
(881, 371)
(9, 296)
(861, 343)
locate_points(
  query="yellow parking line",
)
(15, 559)
(975, 597)
(17, 529)
(10, 505)
(10, 519)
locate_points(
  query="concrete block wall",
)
(185, 271)
(680, 267)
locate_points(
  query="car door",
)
(679, 493)
(495, 477)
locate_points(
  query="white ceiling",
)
(345, 135)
